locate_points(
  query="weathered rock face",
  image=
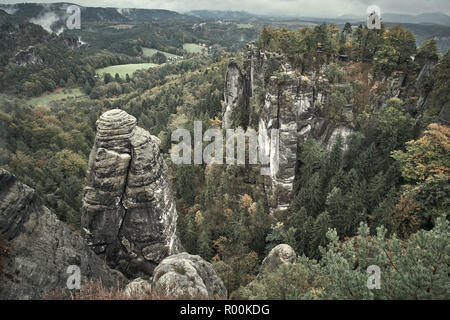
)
(403, 86)
(187, 276)
(235, 92)
(279, 112)
(282, 253)
(416, 90)
(41, 247)
(128, 212)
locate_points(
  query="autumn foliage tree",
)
(425, 165)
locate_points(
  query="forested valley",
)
(377, 195)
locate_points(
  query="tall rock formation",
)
(128, 212)
(279, 97)
(235, 92)
(37, 249)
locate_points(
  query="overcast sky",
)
(318, 8)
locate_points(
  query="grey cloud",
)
(46, 20)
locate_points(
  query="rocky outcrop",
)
(444, 115)
(27, 56)
(299, 105)
(38, 248)
(187, 276)
(71, 42)
(128, 212)
(416, 91)
(282, 253)
(406, 87)
(279, 97)
(279, 112)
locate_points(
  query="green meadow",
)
(58, 94)
(148, 52)
(193, 48)
(244, 25)
(123, 69)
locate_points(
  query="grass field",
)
(148, 52)
(244, 25)
(58, 94)
(193, 48)
(123, 69)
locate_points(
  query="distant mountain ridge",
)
(217, 14)
(57, 11)
(52, 17)
(106, 14)
(424, 18)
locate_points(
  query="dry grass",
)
(95, 291)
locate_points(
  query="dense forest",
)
(381, 195)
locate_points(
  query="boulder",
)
(186, 276)
(138, 288)
(282, 253)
